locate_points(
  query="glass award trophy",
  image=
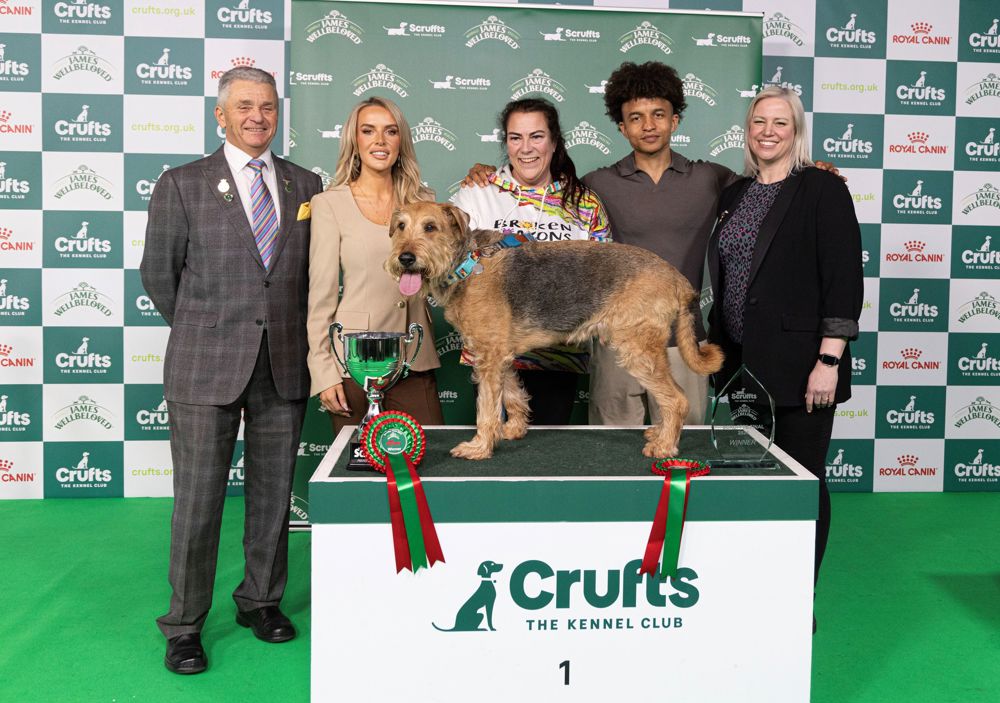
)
(375, 360)
(741, 403)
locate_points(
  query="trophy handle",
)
(333, 343)
(408, 339)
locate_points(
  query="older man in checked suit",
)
(225, 263)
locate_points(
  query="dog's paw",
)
(650, 433)
(472, 450)
(659, 449)
(514, 430)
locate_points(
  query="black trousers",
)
(552, 394)
(806, 437)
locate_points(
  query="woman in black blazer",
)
(785, 266)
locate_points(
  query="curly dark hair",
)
(632, 81)
(562, 169)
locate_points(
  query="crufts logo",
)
(841, 470)
(982, 304)
(983, 257)
(778, 80)
(243, 16)
(985, 151)
(11, 419)
(979, 410)
(920, 92)
(646, 34)
(83, 475)
(163, 72)
(11, 70)
(913, 309)
(979, 364)
(82, 12)
(987, 41)
(695, 87)
(538, 81)
(82, 244)
(851, 35)
(917, 202)
(11, 187)
(381, 77)
(986, 196)
(907, 465)
(911, 416)
(156, 418)
(83, 360)
(11, 304)
(334, 23)
(848, 145)
(978, 468)
(144, 186)
(478, 608)
(83, 60)
(82, 129)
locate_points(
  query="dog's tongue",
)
(409, 283)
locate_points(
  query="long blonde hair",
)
(405, 172)
(800, 144)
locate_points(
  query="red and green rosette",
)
(664, 544)
(394, 443)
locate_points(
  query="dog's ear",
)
(456, 217)
(395, 222)
(484, 569)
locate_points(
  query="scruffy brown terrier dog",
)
(544, 293)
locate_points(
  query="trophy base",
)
(742, 464)
(358, 460)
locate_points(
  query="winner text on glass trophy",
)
(742, 402)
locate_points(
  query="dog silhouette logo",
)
(479, 606)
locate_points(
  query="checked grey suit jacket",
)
(202, 270)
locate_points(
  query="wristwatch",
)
(829, 360)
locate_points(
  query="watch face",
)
(828, 359)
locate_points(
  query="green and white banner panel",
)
(540, 596)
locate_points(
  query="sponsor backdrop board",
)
(99, 97)
(541, 580)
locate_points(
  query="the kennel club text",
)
(534, 585)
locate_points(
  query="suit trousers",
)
(202, 438)
(806, 438)
(616, 398)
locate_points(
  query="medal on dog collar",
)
(394, 443)
(664, 543)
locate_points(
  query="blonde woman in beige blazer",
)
(376, 173)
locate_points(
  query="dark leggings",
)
(806, 438)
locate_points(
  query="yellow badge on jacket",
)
(305, 212)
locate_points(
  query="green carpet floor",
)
(908, 608)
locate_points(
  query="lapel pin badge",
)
(288, 185)
(223, 186)
(228, 197)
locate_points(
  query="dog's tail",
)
(704, 359)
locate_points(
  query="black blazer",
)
(806, 282)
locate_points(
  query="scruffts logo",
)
(409, 29)
(381, 77)
(982, 304)
(986, 196)
(979, 410)
(588, 36)
(83, 178)
(910, 417)
(337, 24)
(83, 409)
(11, 187)
(538, 81)
(492, 29)
(331, 133)
(243, 16)
(478, 609)
(460, 83)
(586, 134)
(728, 41)
(430, 130)
(848, 146)
(646, 34)
(778, 25)
(920, 93)
(321, 80)
(988, 87)
(732, 138)
(9, 360)
(851, 35)
(83, 295)
(7, 126)
(86, 60)
(695, 87)
(907, 465)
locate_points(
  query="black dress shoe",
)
(185, 654)
(268, 623)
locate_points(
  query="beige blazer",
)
(344, 241)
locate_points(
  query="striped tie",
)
(265, 219)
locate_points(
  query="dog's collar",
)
(470, 264)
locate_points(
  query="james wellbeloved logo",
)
(86, 410)
(381, 77)
(782, 27)
(982, 306)
(83, 296)
(986, 195)
(534, 586)
(460, 83)
(987, 87)
(980, 411)
(646, 34)
(492, 29)
(975, 359)
(921, 33)
(732, 138)
(83, 60)
(430, 130)
(451, 342)
(83, 178)
(695, 87)
(409, 29)
(336, 24)
(587, 36)
(586, 134)
(538, 81)
(852, 33)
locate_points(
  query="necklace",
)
(379, 214)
